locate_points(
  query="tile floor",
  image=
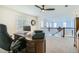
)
(60, 45)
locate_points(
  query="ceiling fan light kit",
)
(43, 9)
(66, 5)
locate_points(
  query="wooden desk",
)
(36, 46)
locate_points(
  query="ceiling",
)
(28, 9)
(60, 10)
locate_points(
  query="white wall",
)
(9, 16)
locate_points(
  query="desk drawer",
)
(30, 47)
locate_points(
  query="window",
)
(47, 24)
(55, 24)
(42, 24)
(64, 24)
(20, 22)
(50, 24)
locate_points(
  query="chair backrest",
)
(3, 28)
(18, 45)
(38, 34)
(5, 39)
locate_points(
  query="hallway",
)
(60, 45)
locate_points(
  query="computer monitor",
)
(27, 28)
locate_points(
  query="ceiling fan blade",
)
(38, 7)
(50, 9)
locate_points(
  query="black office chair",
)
(18, 45)
(5, 39)
(8, 44)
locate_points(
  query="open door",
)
(76, 38)
(77, 23)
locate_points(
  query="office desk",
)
(35, 45)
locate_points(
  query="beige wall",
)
(9, 16)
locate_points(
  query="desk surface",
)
(29, 37)
(25, 35)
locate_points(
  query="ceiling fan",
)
(42, 8)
